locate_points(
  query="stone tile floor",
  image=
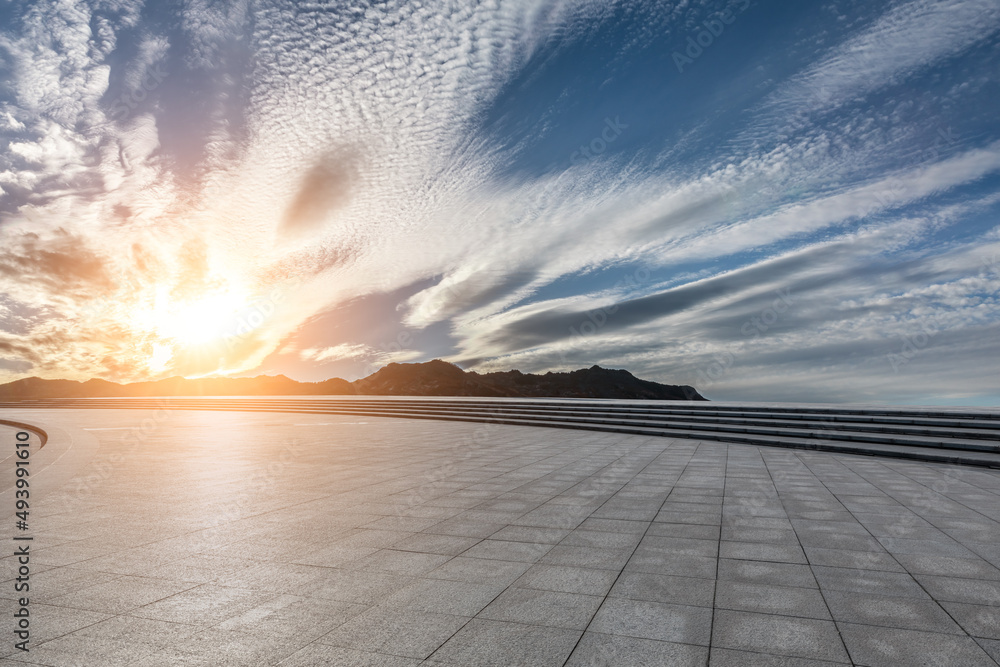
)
(299, 540)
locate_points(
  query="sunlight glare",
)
(202, 320)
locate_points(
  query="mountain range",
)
(432, 378)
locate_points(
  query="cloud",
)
(371, 358)
(845, 326)
(325, 188)
(910, 36)
(856, 203)
(298, 158)
(59, 263)
(337, 352)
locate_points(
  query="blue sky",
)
(769, 201)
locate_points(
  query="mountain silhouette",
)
(432, 378)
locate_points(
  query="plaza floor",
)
(208, 538)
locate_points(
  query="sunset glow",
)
(317, 190)
(204, 319)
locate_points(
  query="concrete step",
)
(913, 436)
(936, 428)
(969, 438)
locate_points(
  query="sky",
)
(771, 201)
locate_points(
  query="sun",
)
(207, 318)
(201, 320)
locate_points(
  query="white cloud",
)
(337, 352)
(908, 37)
(373, 357)
(366, 122)
(854, 204)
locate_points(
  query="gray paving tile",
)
(408, 633)
(459, 598)
(991, 646)
(986, 550)
(945, 566)
(209, 603)
(70, 650)
(664, 588)
(431, 543)
(600, 650)
(890, 611)
(685, 566)
(410, 524)
(811, 527)
(490, 516)
(486, 643)
(654, 620)
(925, 547)
(225, 648)
(412, 563)
(763, 572)
(359, 586)
(131, 629)
(955, 589)
(373, 542)
(768, 535)
(273, 577)
(334, 555)
(600, 538)
(778, 553)
(693, 531)
(293, 617)
(554, 516)
(322, 655)
(597, 557)
(724, 657)
(891, 647)
(910, 530)
(62, 581)
(614, 525)
(771, 599)
(541, 607)
(121, 594)
(361, 538)
(868, 581)
(568, 579)
(857, 560)
(779, 635)
(845, 542)
(977, 620)
(630, 512)
(528, 552)
(480, 570)
(532, 534)
(462, 527)
(752, 510)
(686, 517)
(677, 546)
(200, 569)
(769, 523)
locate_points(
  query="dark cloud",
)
(62, 263)
(8, 347)
(16, 365)
(686, 215)
(559, 324)
(325, 188)
(793, 285)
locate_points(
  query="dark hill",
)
(593, 382)
(433, 378)
(262, 385)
